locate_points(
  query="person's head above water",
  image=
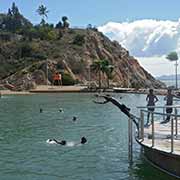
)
(63, 142)
(74, 118)
(83, 140)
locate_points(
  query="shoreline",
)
(79, 89)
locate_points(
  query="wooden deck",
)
(162, 137)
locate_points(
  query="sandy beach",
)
(76, 89)
(46, 89)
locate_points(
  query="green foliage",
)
(33, 67)
(60, 65)
(64, 18)
(24, 50)
(79, 40)
(103, 66)
(172, 56)
(14, 21)
(89, 26)
(65, 23)
(67, 79)
(59, 25)
(42, 11)
(45, 32)
(52, 35)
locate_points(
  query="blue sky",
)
(98, 12)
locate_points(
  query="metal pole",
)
(152, 121)
(142, 126)
(130, 141)
(139, 128)
(176, 65)
(47, 71)
(176, 120)
(172, 135)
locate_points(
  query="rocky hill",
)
(24, 61)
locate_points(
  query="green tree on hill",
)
(173, 57)
(102, 66)
(109, 72)
(13, 21)
(42, 11)
(65, 23)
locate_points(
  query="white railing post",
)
(172, 135)
(142, 126)
(130, 141)
(152, 122)
(176, 121)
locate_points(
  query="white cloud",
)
(158, 66)
(145, 38)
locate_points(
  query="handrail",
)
(173, 123)
(158, 113)
(166, 106)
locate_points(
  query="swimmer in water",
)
(63, 142)
(40, 110)
(74, 118)
(56, 141)
(61, 110)
(83, 140)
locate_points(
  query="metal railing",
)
(173, 129)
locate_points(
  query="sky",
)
(148, 29)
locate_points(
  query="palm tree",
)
(65, 23)
(102, 66)
(174, 57)
(96, 66)
(108, 72)
(42, 11)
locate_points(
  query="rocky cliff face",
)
(71, 57)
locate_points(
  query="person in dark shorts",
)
(151, 100)
(169, 102)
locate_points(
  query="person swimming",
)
(74, 118)
(61, 110)
(40, 110)
(54, 141)
(83, 140)
(63, 142)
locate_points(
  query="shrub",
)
(67, 79)
(24, 50)
(79, 40)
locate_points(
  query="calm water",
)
(171, 82)
(25, 155)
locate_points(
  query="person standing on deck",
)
(169, 102)
(151, 100)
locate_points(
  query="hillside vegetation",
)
(27, 50)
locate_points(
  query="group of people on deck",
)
(151, 101)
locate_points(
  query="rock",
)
(75, 60)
